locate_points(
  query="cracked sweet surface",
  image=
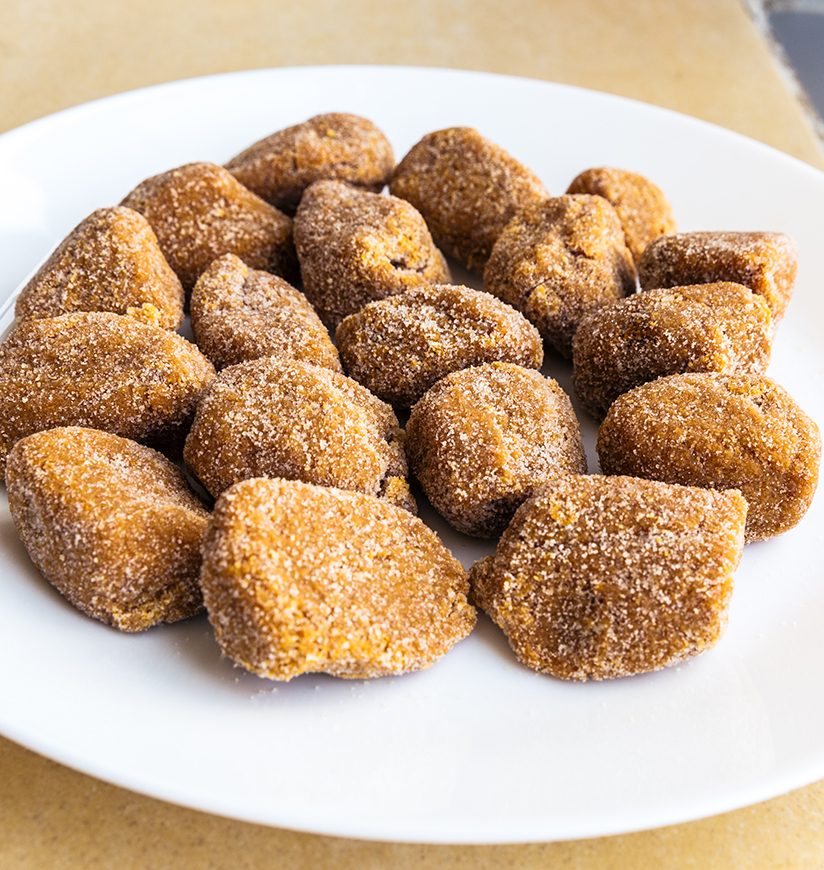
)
(603, 577)
(400, 346)
(355, 246)
(100, 370)
(111, 261)
(338, 146)
(482, 439)
(467, 188)
(559, 260)
(641, 205)
(240, 314)
(721, 431)
(200, 211)
(284, 418)
(719, 327)
(767, 263)
(111, 524)
(306, 579)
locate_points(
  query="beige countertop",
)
(702, 57)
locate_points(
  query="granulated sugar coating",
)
(467, 188)
(400, 346)
(355, 246)
(200, 211)
(701, 328)
(602, 577)
(641, 205)
(111, 261)
(285, 418)
(239, 314)
(721, 431)
(101, 370)
(110, 524)
(337, 146)
(559, 260)
(765, 262)
(482, 439)
(308, 579)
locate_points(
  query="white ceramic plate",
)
(477, 749)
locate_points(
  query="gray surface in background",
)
(801, 35)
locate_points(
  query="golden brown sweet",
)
(100, 370)
(308, 579)
(721, 431)
(239, 314)
(641, 205)
(467, 188)
(336, 145)
(109, 523)
(355, 246)
(200, 211)
(482, 439)
(110, 261)
(602, 577)
(765, 262)
(398, 347)
(559, 260)
(701, 328)
(284, 418)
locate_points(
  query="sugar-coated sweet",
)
(559, 260)
(721, 431)
(307, 579)
(111, 524)
(603, 577)
(400, 346)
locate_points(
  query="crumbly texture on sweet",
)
(101, 370)
(641, 205)
(560, 260)
(467, 188)
(332, 146)
(284, 418)
(110, 524)
(355, 246)
(400, 346)
(602, 577)
(722, 431)
(307, 579)
(767, 263)
(111, 261)
(701, 328)
(240, 314)
(200, 211)
(482, 439)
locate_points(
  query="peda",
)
(100, 370)
(701, 328)
(765, 262)
(110, 524)
(560, 260)
(721, 431)
(239, 314)
(308, 579)
(200, 211)
(355, 246)
(603, 577)
(482, 439)
(641, 205)
(400, 346)
(111, 261)
(336, 145)
(467, 188)
(273, 417)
